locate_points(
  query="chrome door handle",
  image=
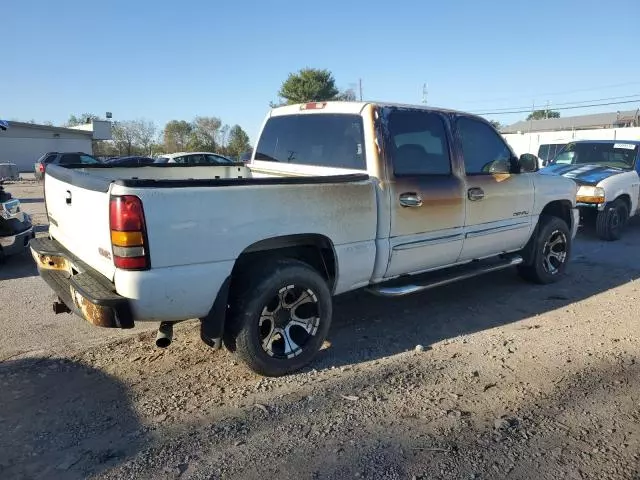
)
(411, 199)
(475, 194)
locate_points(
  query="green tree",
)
(542, 114)
(144, 132)
(495, 124)
(349, 95)
(176, 135)
(124, 137)
(308, 85)
(82, 119)
(205, 134)
(238, 142)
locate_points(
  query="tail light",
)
(41, 167)
(128, 233)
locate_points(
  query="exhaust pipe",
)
(165, 335)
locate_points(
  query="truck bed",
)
(176, 175)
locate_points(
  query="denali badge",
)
(519, 214)
(104, 253)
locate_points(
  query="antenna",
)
(424, 93)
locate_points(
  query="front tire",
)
(550, 252)
(611, 221)
(280, 314)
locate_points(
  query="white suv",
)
(195, 158)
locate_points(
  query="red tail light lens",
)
(41, 167)
(130, 263)
(126, 214)
(128, 233)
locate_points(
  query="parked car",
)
(608, 175)
(548, 151)
(195, 158)
(339, 196)
(132, 161)
(15, 226)
(65, 158)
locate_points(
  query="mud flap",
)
(212, 326)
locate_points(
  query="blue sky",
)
(176, 60)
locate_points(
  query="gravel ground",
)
(25, 307)
(513, 381)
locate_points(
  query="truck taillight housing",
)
(128, 233)
(41, 167)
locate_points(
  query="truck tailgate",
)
(79, 220)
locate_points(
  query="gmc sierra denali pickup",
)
(337, 196)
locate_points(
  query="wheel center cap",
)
(282, 318)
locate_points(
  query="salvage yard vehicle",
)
(338, 196)
(197, 158)
(608, 175)
(65, 158)
(15, 226)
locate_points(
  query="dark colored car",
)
(132, 161)
(66, 158)
(246, 156)
(15, 226)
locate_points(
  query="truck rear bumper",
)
(84, 291)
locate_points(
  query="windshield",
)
(324, 139)
(616, 155)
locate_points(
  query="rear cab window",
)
(322, 139)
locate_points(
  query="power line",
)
(564, 108)
(576, 102)
(552, 94)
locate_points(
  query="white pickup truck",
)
(337, 196)
(608, 176)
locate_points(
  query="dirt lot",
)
(515, 381)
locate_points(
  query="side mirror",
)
(528, 163)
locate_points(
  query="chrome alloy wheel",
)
(289, 321)
(554, 252)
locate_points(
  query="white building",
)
(23, 143)
(527, 136)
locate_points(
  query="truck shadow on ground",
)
(366, 327)
(18, 266)
(61, 419)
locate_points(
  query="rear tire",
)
(280, 314)
(611, 221)
(550, 252)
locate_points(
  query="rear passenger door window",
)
(419, 143)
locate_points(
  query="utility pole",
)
(533, 109)
(424, 93)
(360, 87)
